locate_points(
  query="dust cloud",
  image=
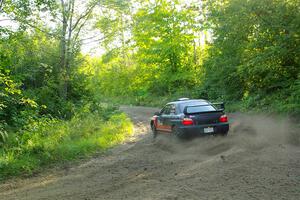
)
(247, 133)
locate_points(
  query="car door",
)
(169, 117)
(161, 120)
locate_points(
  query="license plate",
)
(209, 130)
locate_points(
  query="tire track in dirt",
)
(260, 159)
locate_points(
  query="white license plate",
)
(209, 130)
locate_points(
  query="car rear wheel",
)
(224, 134)
(178, 133)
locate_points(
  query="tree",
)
(164, 36)
(255, 54)
(72, 25)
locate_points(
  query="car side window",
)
(172, 109)
(166, 110)
(163, 110)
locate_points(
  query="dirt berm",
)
(259, 159)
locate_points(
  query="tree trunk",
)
(62, 71)
(68, 47)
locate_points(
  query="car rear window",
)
(197, 107)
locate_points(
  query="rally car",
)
(186, 117)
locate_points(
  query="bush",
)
(46, 141)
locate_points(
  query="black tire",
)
(154, 131)
(178, 133)
(224, 134)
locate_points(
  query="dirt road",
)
(260, 159)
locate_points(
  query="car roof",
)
(187, 101)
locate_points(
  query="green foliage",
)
(13, 104)
(255, 56)
(46, 141)
(251, 62)
(3, 134)
(115, 131)
(160, 61)
(24, 8)
(32, 60)
(164, 38)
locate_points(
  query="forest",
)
(59, 102)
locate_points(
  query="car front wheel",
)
(154, 131)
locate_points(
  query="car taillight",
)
(223, 118)
(187, 122)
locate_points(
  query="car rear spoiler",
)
(220, 107)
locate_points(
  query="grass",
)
(49, 141)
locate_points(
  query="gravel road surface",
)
(259, 159)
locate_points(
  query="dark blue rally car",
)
(187, 117)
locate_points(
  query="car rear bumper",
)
(221, 128)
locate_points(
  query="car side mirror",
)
(157, 113)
